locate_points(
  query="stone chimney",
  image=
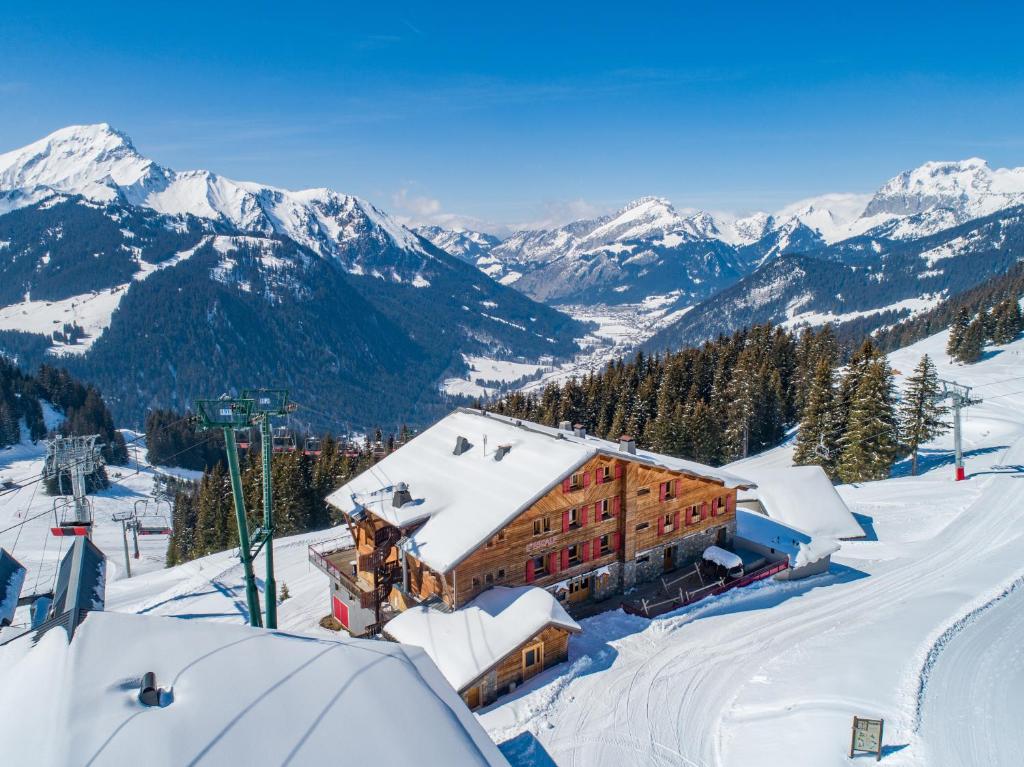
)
(627, 445)
(579, 430)
(565, 425)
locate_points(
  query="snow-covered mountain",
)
(187, 283)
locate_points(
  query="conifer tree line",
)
(739, 395)
(968, 335)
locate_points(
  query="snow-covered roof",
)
(803, 497)
(722, 557)
(801, 547)
(467, 642)
(235, 695)
(465, 499)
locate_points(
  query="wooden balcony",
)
(340, 564)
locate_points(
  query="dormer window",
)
(542, 526)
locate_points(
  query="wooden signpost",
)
(866, 736)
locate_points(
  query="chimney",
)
(402, 495)
(461, 445)
(502, 451)
(579, 430)
(627, 445)
(565, 425)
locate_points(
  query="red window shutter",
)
(585, 551)
(662, 491)
(689, 515)
(616, 505)
(566, 484)
(584, 514)
(675, 520)
(617, 541)
(565, 559)
(596, 547)
(704, 510)
(565, 521)
(661, 524)
(530, 573)
(675, 488)
(586, 479)
(618, 471)
(553, 561)
(730, 503)
(599, 476)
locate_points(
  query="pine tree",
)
(705, 434)
(972, 344)
(957, 328)
(920, 412)
(869, 445)
(1008, 321)
(817, 433)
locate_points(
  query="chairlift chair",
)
(283, 440)
(155, 522)
(71, 519)
(313, 446)
(244, 439)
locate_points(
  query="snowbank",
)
(469, 641)
(801, 548)
(234, 695)
(720, 556)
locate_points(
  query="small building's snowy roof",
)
(467, 498)
(722, 557)
(235, 695)
(467, 642)
(803, 497)
(801, 547)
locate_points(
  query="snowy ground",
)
(908, 625)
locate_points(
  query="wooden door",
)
(579, 590)
(670, 558)
(473, 697)
(533, 660)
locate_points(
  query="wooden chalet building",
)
(480, 500)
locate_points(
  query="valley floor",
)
(908, 625)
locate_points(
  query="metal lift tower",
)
(960, 396)
(268, 403)
(231, 414)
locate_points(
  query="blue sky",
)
(526, 113)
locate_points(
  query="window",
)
(539, 566)
(667, 490)
(643, 560)
(643, 526)
(604, 509)
(578, 585)
(574, 554)
(501, 574)
(476, 583)
(694, 513)
(501, 535)
(490, 543)
(574, 518)
(530, 657)
(489, 579)
(643, 491)
(668, 523)
(604, 473)
(606, 544)
(576, 481)
(541, 526)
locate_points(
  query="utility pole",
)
(268, 403)
(960, 396)
(230, 414)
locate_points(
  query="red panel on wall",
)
(616, 505)
(340, 611)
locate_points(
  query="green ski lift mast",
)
(230, 415)
(268, 403)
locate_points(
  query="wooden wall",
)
(636, 487)
(510, 668)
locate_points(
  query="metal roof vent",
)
(579, 430)
(502, 451)
(402, 495)
(627, 444)
(461, 446)
(565, 425)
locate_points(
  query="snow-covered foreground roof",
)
(236, 695)
(804, 498)
(801, 547)
(467, 498)
(469, 641)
